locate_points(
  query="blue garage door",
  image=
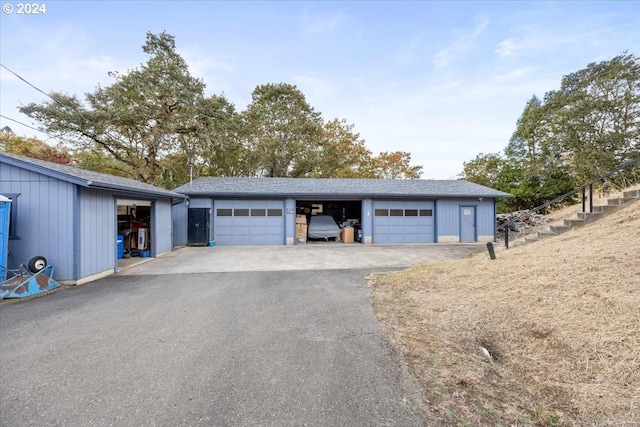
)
(403, 222)
(249, 222)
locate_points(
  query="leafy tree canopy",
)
(32, 147)
(154, 124)
(138, 119)
(574, 135)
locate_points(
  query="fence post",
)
(590, 197)
(506, 236)
(492, 252)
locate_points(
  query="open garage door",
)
(346, 213)
(249, 222)
(403, 222)
(135, 229)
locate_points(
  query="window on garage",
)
(249, 212)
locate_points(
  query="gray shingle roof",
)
(339, 187)
(86, 178)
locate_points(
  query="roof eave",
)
(239, 195)
(134, 191)
(45, 171)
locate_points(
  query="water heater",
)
(142, 239)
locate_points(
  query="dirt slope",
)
(560, 318)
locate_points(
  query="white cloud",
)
(214, 70)
(442, 58)
(506, 47)
(465, 40)
(322, 23)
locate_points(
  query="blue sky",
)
(444, 81)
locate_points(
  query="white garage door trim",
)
(403, 222)
(249, 222)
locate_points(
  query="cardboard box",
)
(301, 230)
(301, 219)
(346, 235)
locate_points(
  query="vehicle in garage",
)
(246, 211)
(323, 227)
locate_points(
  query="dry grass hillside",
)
(560, 318)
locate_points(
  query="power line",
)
(70, 108)
(24, 80)
(33, 86)
(23, 124)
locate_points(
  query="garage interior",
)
(134, 229)
(346, 213)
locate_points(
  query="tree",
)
(395, 165)
(342, 153)
(99, 161)
(222, 147)
(484, 169)
(284, 132)
(33, 147)
(595, 116)
(576, 134)
(537, 166)
(136, 120)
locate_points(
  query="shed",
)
(264, 211)
(77, 218)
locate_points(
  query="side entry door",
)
(468, 224)
(198, 227)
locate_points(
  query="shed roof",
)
(335, 187)
(86, 178)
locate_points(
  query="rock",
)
(518, 221)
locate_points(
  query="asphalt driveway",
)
(250, 348)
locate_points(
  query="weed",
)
(449, 415)
(544, 417)
(492, 410)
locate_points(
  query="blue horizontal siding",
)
(448, 220)
(44, 225)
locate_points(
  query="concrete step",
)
(531, 238)
(545, 233)
(574, 222)
(582, 217)
(631, 194)
(620, 201)
(558, 229)
(589, 216)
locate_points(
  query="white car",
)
(323, 227)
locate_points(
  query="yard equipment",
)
(34, 278)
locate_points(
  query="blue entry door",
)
(468, 224)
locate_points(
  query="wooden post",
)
(492, 252)
(506, 236)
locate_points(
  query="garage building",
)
(82, 221)
(263, 211)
